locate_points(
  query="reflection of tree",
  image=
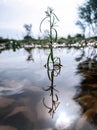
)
(88, 54)
(30, 56)
(87, 97)
(53, 70)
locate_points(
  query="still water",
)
(26, 101)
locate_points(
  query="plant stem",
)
(51, 40)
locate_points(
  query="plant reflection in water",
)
(53, 70)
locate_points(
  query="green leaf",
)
(56, 16)
(41, 23)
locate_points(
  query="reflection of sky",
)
(18, 75)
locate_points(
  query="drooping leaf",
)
(41, 23)
(56, 17)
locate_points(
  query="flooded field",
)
(29, 102)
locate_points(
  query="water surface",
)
(25, 101)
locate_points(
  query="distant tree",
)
(82, 26)
(28, 28)
(46, 34)
(78, 35)
(69, 36)
(88, 15)
(1, 38)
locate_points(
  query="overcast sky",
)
(15, 13)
